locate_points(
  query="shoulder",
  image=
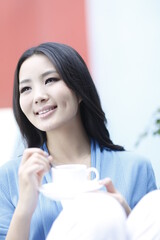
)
(126, 157)
(9, 170)
(12, 163)
(130, 161)
(8, 193)
(132, 157)
(122, 158)
(9, 183)
(133, 165)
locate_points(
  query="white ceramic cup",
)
(73, 175)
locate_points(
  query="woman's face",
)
(45, 99)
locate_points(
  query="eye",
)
(24, 89)
(53, 79)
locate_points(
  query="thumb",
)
(107, 182)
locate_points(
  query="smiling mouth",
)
(46, 110)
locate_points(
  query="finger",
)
(35, 169)
(35, 158)
(50, 160)
(107, 182)
(30, 151)
(32, 178)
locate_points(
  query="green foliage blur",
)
(153, 129)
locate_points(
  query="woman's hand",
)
(35, 163)
(107, 182)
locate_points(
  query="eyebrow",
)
(24, 81)
(48, 72)
(42, 75)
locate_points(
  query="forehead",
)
(36, 64)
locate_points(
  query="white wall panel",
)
(124, 49)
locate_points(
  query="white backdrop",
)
(8, 131)
(124, 46)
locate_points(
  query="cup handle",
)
(92, 169)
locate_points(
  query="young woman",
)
(58, 111)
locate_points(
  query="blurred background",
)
(118, 39)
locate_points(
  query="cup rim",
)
(75, 166)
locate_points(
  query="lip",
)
(45, 111)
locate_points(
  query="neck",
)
(69, 145)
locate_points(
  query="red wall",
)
(24, 23)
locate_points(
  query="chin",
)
(48, 128)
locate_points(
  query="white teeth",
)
(45, 111)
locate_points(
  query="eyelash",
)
(51, 80)
(24, 89)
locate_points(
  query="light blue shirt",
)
(131, 174)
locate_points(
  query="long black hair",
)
(74, 72)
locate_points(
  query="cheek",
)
(67, 99)
(73, 105)
(23, 105)
(63, 98)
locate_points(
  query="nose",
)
(40, 97)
